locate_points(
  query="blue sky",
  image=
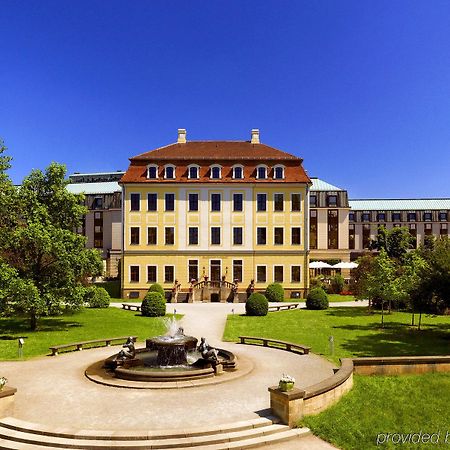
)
(359, 89)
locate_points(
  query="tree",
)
(396, 242)
(49, 260)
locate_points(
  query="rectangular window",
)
(333, 228)
(98, 203)
(215, 202)
(135, 200)
(351, 236)
(193, 202)
(193, 236)
(278, 202)
(313, 200)
(152, 201)
(351, 216)
(261, 173)
(428, 229)
(170, 202)
(169, 235)
(170, 172)
(366, 236)
(295, 274)
(332, 200)
(412, 217)
(237, 270)
(169, 274)
(134, 274)
(296, 201)
(427, 217)
(296, 236)
(193, 269)
(152, 235)
(238, 202)
(215, 235)
(381, 217)
(313, 229)
(98, 228)
(151, 274)
(261, 276)
(278, 274)
(443, 229)
(134, 235)
(261, 236)
(261, 202)
(413, 233)
(365, 217)
(237, 235)
(278, 236)
(396, 217)
(237, 172)
(443, 216)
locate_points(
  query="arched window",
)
(193, 172)
(216, 172)
(169, 172)
(152, 171)
(261, 172)
(278, 172)
(238, 172)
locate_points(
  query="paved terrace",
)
(54, 391)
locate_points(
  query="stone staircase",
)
(18, 434)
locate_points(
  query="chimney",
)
(255, 136)
(181, 136)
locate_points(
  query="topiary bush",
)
(153, 305)
(97, 297)
(275, 292)
(256, 305)
(155, 287)
(317, 299)
(337, 284)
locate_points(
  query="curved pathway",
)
(54, 391)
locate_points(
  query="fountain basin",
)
(172, 350)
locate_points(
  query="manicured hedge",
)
(257, 305)
(275, 292)
(317, 299)
(155, 287)
(153, 305)
(97, 297)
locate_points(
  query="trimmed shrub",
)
(256, 305)
(112, 287)
(153, 305)
(97, 297)
(317, 299)
(337, 284)
(155, 287)
(275, 292)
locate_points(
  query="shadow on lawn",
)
(10, 327)
(397, 340)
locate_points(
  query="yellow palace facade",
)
(235, 211)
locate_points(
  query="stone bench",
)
(267, 342)
(283, 307)
(131, 307)
(79, 345)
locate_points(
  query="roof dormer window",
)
(169, 172)
(238, 172)
(152, 171)
(261, 172)
(216, 172)
(193, 172)
(278, 172)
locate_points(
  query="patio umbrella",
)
(320, 265)
(345, 265)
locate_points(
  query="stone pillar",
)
(288, 406)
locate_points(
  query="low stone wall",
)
(7, 401)
(293, 405)
(400, 365)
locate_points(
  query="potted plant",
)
(286, 383)
(3, 381)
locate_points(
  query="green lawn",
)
(355, 332)
(398, 404)
(332, 298)
(85, 325)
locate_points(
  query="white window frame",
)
(174, 202)
(301, 237)
(189, 171)
(198, 267)
(232, 269)
(301, 201)
(174, 273)
(232, 201)
(129, 273)
(220, 203)
(152, 226)
(233, 171)
(257, 235)
(146, 272)
(279, 166)
(174, 171)
(140, 241)
(232, 236)
(256, 273)
(278, 193)
(284, 236)
(174, 235)
(140, 199)
(215, 166)
(273, 273)
(259, 166)
(148, 171)
(220, 235)
(256, 202)
(198, 236)
(301, 272)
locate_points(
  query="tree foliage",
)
(48, 259)
(395, 242)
